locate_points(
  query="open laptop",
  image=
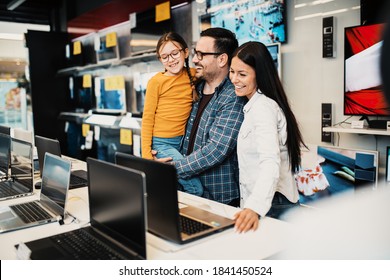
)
(117, 216)
(51, 204)
(5, 147)
(20, 181)
(5, 129)
(165, 219)
(78, 178)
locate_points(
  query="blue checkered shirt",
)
(214, 156)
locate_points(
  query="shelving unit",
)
(370, 131)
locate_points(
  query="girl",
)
(168, 102)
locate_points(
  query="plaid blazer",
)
(214, 157)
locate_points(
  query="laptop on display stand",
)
(180, 223)
(78, 178)
(50, 207)
(20, 180)
(117, 219)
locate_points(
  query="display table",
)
(267, 241)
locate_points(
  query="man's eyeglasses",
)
(200, 55)
(174, 54)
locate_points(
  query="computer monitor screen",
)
(110, 93)
(250, 20)
(105, 50)
(329, 171)
(363, 90)
(274, 50)
(140, 82)
(81, 93)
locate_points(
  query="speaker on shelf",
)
(326, 120)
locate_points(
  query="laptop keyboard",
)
(6, 190)
(76, 181)
(82, 245)
(190, 226)
(30, 212)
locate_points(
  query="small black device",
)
(326, 121)
(387, 165)
(328, 37)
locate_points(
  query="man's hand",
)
(164, 160)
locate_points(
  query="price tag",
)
(126, 137)
(114, 83)
(87, 81)
(76, 47)
(85, 129)
(111, 39)
(163, 11)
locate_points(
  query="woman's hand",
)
(246, 219)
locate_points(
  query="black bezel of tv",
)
(361, 110)
(387, 178)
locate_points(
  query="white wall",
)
(310, 80)
(14, 48)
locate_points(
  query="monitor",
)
(106, 47)
(140, 82)
(328, 171)
(81, 93)
(110, 93)
(250, 20)
(275, 51)
(363, 91)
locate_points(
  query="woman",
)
(269, 140)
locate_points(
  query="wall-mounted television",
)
(250, 20)
(328, 171)
(363, 90)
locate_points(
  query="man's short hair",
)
(225, 40)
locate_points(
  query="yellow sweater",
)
(168, 103)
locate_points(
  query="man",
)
(209, 143)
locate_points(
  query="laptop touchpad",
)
(6, 215)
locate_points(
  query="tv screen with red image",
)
(363, 90)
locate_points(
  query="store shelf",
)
(124, 61)
(370, 131)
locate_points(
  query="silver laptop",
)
(20, 181)
(51, 205)
(117, 210)
(165, 219)
(5, 147)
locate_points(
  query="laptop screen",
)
(117, 203)
(5, 145)
(46, 145)
(161, 186)
(55, 179)
(22, 163)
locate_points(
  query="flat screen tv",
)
(274, 50)
(250, 20)
(363, 90)
(328, 171)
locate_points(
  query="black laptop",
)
(165, 219)
(78, 178)
(18, 181)
(117, 217)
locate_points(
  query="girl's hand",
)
(246, 219)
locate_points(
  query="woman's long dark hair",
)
(175, 38)
(256, 55)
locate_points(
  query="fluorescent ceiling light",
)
(14, 4)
